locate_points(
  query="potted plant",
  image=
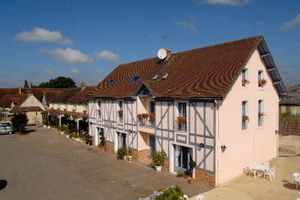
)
(193, 165)
(158, 159)
(181, 120)
(120, 112)
(122, 153)
(262, 82)
(129, 154)
(245, 118)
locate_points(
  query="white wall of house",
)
(255, 143)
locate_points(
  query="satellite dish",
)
(163, 53)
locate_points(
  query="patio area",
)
(246, 187)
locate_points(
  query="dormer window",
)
(135, 79)
(165, 76)
(155, 77)
(245, 77)
(111, 82)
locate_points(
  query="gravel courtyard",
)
(46, 165)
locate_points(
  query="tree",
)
(59, 82)
(26, 84)
(19, 122)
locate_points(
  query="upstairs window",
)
(261, 81)
(135, 79)
(260, 113)
(181, 118)
(99, 108)
(245, 116)
(120, 111)
(245, 80)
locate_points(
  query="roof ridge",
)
(204, 47)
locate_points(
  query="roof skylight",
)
(111, 82)
(135, 79)
(155, 77)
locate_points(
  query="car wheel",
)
(10, 133)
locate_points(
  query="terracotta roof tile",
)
(207, 72)
(26, 109)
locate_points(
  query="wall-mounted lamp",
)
(223, 147)
(201, 145)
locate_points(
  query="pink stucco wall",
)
(255, 144)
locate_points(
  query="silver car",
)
(5, 128)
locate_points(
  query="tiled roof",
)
(80, 96)
(18, 109)
(75, 115)
(17, 99)
(207, 72)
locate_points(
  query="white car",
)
(5, 128)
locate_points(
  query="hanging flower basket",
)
(245, 118)
(145, 115)
(244, 82)
(262, 82)
(181, 120)
(120, 112)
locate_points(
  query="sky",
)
(86, 40)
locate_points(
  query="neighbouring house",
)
(290, 105)
(12, 98)
(24, 103)
(69, 108)
(217, 106)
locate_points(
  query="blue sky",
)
(85, 40)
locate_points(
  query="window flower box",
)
(245, 118)
(245, 81)
(120, 112)
(181, 120)
(262, 82)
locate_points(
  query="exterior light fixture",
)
(223, 147)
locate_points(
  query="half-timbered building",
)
(216, 105)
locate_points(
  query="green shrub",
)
(192, 164)
(122, 152)
(19, 121)
(173, 193)
(159, 158)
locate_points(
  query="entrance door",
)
(152, 144)
(182, 158)
(121, 140)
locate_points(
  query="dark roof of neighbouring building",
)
(207, 72)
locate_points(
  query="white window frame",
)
(245, 76)
(245, 112)
(260, 119)
(260, 77)
(178, 115)
(119, 119)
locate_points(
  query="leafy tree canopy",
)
(59, 82)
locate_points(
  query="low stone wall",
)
(205, 177)
(289, 127)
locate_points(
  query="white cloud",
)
(188, 25)
(48, 72)
(42, 35)
(73, 71)
(69, 56)
(228, 2)
(108, 55)
(291, 24)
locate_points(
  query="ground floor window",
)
(152, 144)
(121, 139)
(182, 158)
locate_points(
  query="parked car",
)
(5, 128)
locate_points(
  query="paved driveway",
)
(45, 165)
